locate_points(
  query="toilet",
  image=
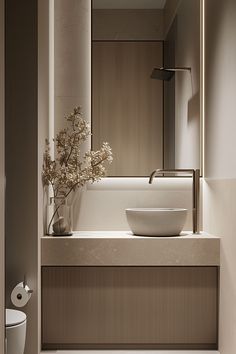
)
(15, 331)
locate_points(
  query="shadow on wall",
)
(194, 107)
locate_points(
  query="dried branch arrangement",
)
(69, 170)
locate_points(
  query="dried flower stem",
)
(69, 170)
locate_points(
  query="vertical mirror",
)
(150, 117)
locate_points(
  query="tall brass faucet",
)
(195, 189)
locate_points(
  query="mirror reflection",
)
(150, 116)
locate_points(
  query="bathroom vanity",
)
(110, 289)
(114, 290)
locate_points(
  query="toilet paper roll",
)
(20, 295)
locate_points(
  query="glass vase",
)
(59, 217)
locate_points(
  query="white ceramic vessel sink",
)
(156, 221)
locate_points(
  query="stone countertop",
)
(122, 248)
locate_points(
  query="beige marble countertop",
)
(129, 234)
(122, 248)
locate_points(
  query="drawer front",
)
(125, 307)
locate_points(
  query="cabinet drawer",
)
(129, 307)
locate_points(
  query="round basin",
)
(156, 221)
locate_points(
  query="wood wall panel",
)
(127, 105)
(127, 24)
(123, 306)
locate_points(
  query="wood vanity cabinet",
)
(126, 307)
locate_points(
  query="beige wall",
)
(2, 181)
(21, 157)
(102, 206)
(183, 38)
(220, 72)
(220, 147)
(72, 58)
(187, 95)
(170, 10)
(219, 219)
(99, 209)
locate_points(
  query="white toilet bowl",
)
(15, 331)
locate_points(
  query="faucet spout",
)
(195, 190)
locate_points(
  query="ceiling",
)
(128, 4)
